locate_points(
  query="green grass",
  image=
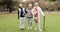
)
(10, 23)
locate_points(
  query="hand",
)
(18, 17)
(26, 15)
(23, 14)
(44, 16)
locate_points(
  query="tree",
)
(52, 0)
(8, 3)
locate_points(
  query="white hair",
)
(36, 3)
(30, 4)
(20, 4)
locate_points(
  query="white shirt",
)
(39, 12)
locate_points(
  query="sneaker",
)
(22, 29)
(35, 29)
(40, 30)
(30, 27)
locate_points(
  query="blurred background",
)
(46, 5)
(9, 20)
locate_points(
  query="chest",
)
(21, 10)
(35, 12)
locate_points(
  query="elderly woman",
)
(21, 16)
(36, 15)
(29, 16)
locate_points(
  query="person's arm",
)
(32, 11)
(18, 13)
(41, 11)
(25, 11)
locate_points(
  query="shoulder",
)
(24, 8)
(19, 9)
(34, 7)
(39, 7)
(27, 9)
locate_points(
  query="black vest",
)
(22, 13)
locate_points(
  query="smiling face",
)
(36, 4)
(20, 5)
(30, 6)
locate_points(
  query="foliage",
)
(52, 0)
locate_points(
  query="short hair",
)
(20, 4)
(36, 3)
(29, 4)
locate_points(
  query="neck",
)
(29, 8)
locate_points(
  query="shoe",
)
(35, 29)
(22, 29)
(30, 27)
(40, 30)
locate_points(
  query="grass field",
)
(10, 23)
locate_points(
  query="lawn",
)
(10, 23)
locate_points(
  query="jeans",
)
(30, 22)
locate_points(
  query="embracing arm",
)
(41, 11)
(32, 11)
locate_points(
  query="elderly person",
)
(29, 16)
(36, 15)
(21, 16)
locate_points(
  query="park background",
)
(9, 21)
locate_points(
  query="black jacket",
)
(21, 13)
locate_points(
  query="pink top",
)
(35, 14)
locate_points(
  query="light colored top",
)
(39, 12)
(29, 13)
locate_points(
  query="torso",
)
(35, 13)
(22, 12)
(29, 13)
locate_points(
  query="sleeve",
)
(32, 10)
(40, 10)
(25, 11)
(18, 14)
